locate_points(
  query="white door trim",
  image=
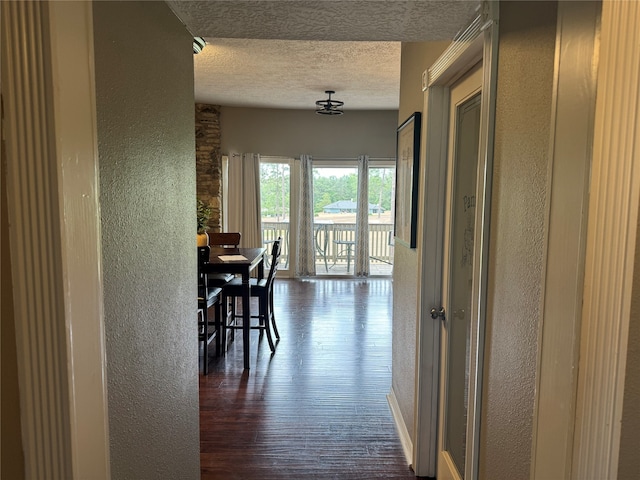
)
(478, 42)
(574, 94)
(52, 191)
(71, 33)
(611, 243)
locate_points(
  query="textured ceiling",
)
(286, 53)
(294, 74)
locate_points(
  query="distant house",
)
(348, 206)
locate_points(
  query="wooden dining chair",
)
(208, 297)
(225, 239)
(263, 290)
(222, 239)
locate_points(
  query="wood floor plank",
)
(317, 407)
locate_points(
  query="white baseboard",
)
(401, 428)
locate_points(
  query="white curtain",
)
(361, 267)
(243, 201)
(306, 251)
(225, 193)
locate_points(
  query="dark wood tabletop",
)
(254, 258)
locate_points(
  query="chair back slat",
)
(203, 258)
(225, 239)
(275, 261)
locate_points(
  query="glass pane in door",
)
(275, 190)
(334, 216)
(381, 193)
(458, 323)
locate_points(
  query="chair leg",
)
(205, 348)
(264, 319)
(225, 325)
(234, 316)
(272, 315)
(229, 317)
(218, 325)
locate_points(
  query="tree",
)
(275, 189)
(381, 187)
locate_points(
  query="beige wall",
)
(629, 462)
(145, 118)
(516, 256)
(291, 133)
(416, 57)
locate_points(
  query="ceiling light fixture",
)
(198, 44)
(329, 106)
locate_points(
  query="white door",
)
(458, 379)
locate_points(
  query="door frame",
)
(567, 203)
(52, 169)
(612, 236)
(479, 41)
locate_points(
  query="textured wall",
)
(416, 57)
(291, 133)
(403, 334)
(629, 463)
(144, 94)
(523, 112)
(209, 161)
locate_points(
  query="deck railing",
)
(335, 242)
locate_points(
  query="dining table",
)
(240, 261)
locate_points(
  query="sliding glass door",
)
(334, 218)
(335, 185)
(275, 200)
(382, 180)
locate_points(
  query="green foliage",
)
(332, 189)
(275, 188)
(381, 187)
(327, 190)
(203, 214)
(325, 199)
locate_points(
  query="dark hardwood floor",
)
(317, 408)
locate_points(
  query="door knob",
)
(438, 313)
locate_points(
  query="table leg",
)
(246, 317)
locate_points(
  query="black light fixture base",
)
(329, 106)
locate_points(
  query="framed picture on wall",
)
(407, 166)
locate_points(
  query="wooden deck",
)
(340, 269)
(317, 407)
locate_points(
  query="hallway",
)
(317, 408)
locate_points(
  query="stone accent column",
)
(209, 161)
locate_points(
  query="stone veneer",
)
(209, 161)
